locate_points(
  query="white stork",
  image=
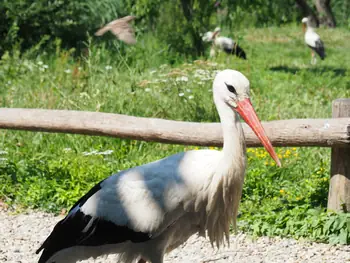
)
(146, 211)
(225, 44)
(121, 28)
(313, 40)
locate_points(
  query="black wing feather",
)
(320, 49)
(236, 50)
(72, 231)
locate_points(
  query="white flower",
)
(108, 67)
(84, 95)
(3, 159)
(43, 67)
(108, 152)
(201, 71)
(213, 64)
(153, 71)
(94, 152)
(147, 89)
(203, 74)
(9, 82)
(181, 94)
(29, 65)
(188, 90)
(3, 152)
(190, 97)
(183, 78)
(68, 71)
(40, 62)
(67, 150)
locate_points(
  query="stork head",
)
(210, 36)
(232, 88)
(216, 33)
(305, 20)
(217, 29)
(207, 37)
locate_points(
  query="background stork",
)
(313, 40)
(148, 210)
(121, 28)
(225, 44)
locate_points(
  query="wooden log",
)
(296, 132)
(339, 188)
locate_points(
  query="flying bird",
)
(121, 28)
(228, 45)
(313, 40)
(148, 210)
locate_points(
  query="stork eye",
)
(231, 88)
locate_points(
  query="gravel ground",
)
(22, 234)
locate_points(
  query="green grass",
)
(51, 171)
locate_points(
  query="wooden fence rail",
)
(296, 132)
(333, 132)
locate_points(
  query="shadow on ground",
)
(315, 69)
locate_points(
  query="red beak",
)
(304, 27)
(247, 112)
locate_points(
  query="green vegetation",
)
(176, 24)
(51, 171)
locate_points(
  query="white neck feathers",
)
(227, 183)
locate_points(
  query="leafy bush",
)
(27, 22)
(51, 184)
(272, 205)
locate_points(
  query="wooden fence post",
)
(339, 188)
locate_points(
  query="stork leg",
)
(313, 58)
(212, 52)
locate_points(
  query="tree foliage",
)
(176, 23)
(259, 13)
(28, 21)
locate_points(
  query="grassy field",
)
(51, 171)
